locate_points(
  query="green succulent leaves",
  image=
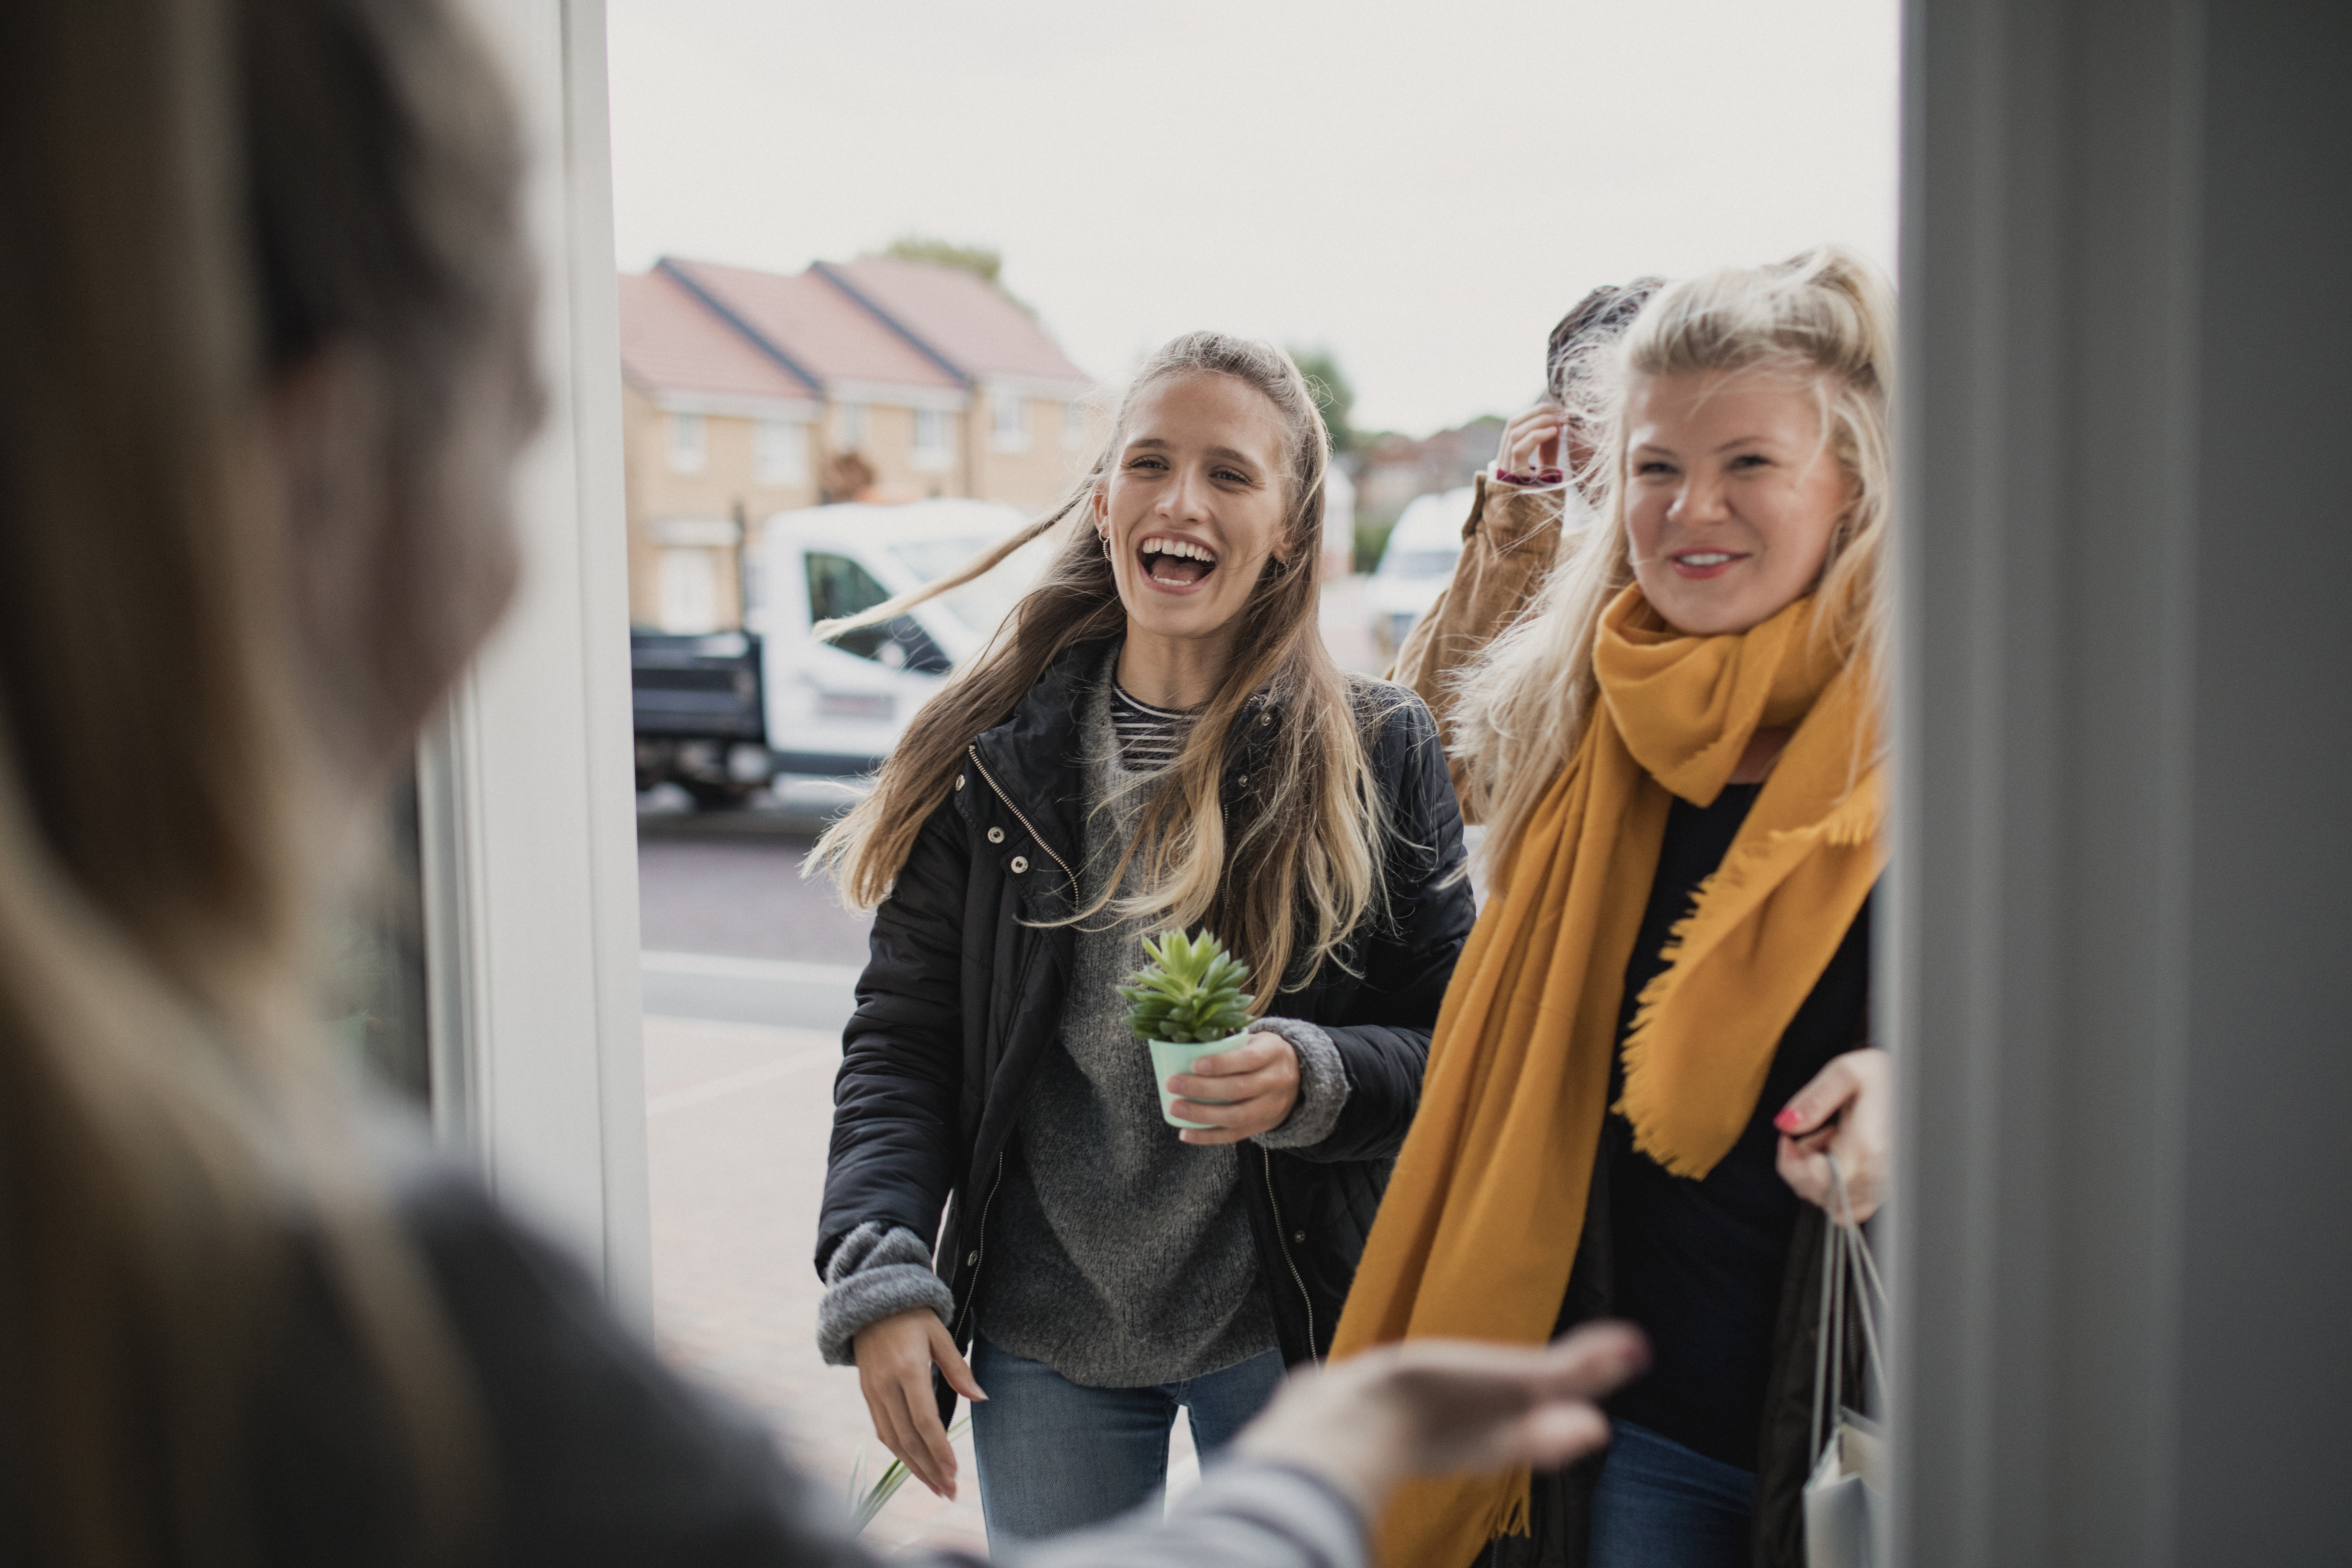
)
(1189, 993)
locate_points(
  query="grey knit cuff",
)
(877, 1272)
(1322, 1085)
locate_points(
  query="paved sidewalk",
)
(737, 1120)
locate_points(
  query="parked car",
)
(724, 714)
(1416, 562)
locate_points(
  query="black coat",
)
(963, 993)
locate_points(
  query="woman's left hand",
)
(1844, 1111)
(1258, 1079)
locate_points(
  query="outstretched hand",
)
(1429, 1407)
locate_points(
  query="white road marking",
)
(776, 970)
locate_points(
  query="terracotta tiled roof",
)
(821, 329)
(966, 320)
(671, 342)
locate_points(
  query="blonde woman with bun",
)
(1659, 1031)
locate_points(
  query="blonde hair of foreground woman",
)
(1313, 842)
(1826, 316)
(222, 217)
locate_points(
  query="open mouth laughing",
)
(1175, 564)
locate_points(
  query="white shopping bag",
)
(1842, 1496)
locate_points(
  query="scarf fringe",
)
(1853, 823)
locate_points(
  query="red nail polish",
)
(1787, 1122)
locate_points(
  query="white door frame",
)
(527, 816)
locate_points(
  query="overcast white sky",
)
(1424, 187)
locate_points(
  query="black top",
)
(1698, 1264)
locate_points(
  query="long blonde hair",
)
(1826, 315)
(1305, 849)
(167, 1126)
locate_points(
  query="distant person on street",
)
(1157, 740)
(1679, 754)
(1540, 489)
(268, 308)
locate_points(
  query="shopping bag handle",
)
(1845, 1256)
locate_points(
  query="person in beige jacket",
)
(1518, 513)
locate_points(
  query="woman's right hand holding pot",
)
(895, 1356)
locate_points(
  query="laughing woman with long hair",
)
(1658, 1034)
(1157, 739)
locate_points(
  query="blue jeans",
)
(1055, 1455)
(1659, 1505)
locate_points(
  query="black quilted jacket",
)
(962, 994)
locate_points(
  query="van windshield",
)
(1418, 562)
(982, 604)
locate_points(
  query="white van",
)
(1417, 562)
(838, 707)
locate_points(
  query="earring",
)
(1103, 534)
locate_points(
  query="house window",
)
(849, 428)
(1074, 426)
(783, 453)
(690, 590)
(934, 445)
(688, 449)
(1008, 429)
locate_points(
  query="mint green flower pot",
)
(1168, 1060)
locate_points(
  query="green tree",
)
(1332, 393)
(983, 261)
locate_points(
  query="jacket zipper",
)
(982, 768)
(1281, 1236)
(1282, 1240)
(980, 1242)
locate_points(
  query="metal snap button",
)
(1242, 781)
(1265, 719)
(1298, 1235)
(972, 1261)
(996, 836)
(1020, 864)
(959, 781)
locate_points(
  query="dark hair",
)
(1599, 317)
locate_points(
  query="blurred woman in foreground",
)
(264, 320)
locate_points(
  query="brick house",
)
(743, 389)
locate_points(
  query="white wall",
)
(529, 813)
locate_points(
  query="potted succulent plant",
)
(1186, 1003)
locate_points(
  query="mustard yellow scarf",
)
(1479, 1227)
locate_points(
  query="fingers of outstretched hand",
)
(1551, 1436)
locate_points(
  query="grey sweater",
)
(1127, 1259)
